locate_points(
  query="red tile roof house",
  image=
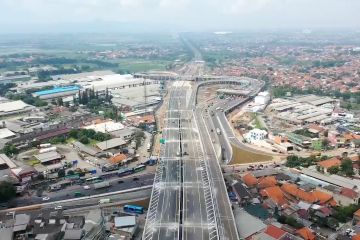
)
(274, 233)
(306, 234)
(326, 164)
(356, 216)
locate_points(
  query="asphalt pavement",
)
(68, 193)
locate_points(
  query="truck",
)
(45, 150)
(148, 147)
(100, 185)
(218, 131)
(44, 145)
(104, 200)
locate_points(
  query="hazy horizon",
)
(60, 16)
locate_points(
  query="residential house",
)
(292, 191)
(265, 182)
(274, 197)
(242, 193)
(326, 164)
(306, 233)
(356, 216)
(250, 180)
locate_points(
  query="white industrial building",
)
(14, 107)
(106, 127)
(255, 135)
(262, 98)
(295, 112)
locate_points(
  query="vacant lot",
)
(240, 157)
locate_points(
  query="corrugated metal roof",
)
(57, 90)
(126, 221)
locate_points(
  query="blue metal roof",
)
(57, 90)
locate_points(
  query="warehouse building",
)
(17, 78)
(49, 157)
(14, 107)
(111, 144)
(57, 92)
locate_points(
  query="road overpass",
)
(189, 197)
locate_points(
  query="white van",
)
(104, 200)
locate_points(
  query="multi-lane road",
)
(189, 198)
(68, 193)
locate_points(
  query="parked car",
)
(58, 207)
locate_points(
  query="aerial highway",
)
(189, 198)
(181, 205)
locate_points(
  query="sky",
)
(29, 16)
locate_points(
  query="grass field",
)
(141, 65)
(241, 157)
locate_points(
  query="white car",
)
(10, 213)
(86, 187)
(58, 208)
(46, 198)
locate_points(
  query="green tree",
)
(70, 172)
(74, 133)
(292, 161)
(61, 173)
(347, 167)
(84, 140)
(333, 169)
(10, 149)
(7, 191)
(60, 102)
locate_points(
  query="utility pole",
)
(145, 97)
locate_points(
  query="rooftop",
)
(249, 180)
(48, 156)
(6, 133)
(126, 221)
(5, 160)
(112, 143)
(106, 127)
(247, 224)
(330, 163)
(306, 233)
(274, 232)
(12, 106)
(57, 90)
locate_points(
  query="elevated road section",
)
(181, 205)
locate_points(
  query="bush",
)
(10, 150)
(7, 191)
(84, 140)
(61, 173)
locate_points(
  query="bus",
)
(125, 172)
(133, 209)
(93, 180)
(139, 168)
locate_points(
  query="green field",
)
(141, 65)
